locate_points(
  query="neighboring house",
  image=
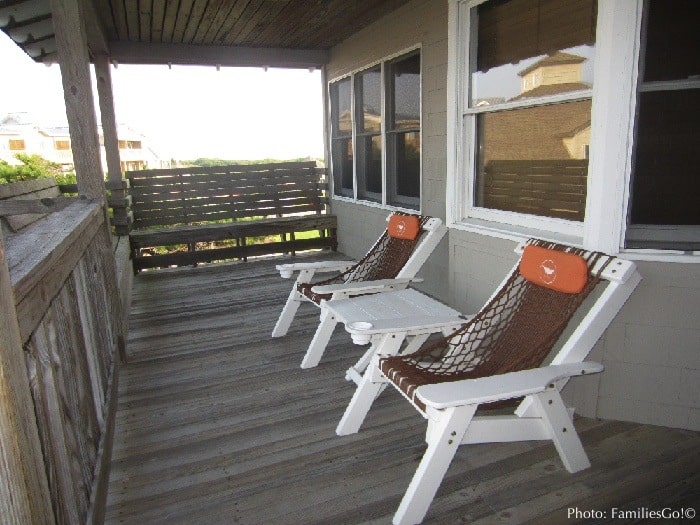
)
(20, 133)
(607, 91)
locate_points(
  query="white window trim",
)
(355, 199)
(612, 123)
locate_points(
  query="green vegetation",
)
(32, 167)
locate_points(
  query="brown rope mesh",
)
(383, 261)
(515, 331)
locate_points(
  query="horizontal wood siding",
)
(197, 205)
(552, 188)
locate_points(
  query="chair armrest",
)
(501, 387)
(410, 324)
(286, 270)
(364, 287)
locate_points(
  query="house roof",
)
(552, 60)
(282, 33)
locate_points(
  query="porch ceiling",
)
(282, 33)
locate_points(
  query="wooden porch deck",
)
(217, 423)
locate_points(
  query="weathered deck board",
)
(218, 424)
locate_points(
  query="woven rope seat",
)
(384, 260)
(515, 331)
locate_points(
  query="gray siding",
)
(420, 23)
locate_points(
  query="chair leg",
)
(320, 340)
(442, 446)
(363, 398)
(370, 386)
(287, 315)
(561, 428)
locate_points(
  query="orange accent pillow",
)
(560, 271)
(404, 227)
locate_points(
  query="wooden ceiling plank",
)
(171, 10)
(183, 16)
(295, 17)
(249, 12)
(145, 18)
(119, 19)
(217, 13)
(131, 9)
(157, 20)
(197, 16)
(220, 34)
(266, 12)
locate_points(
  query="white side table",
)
(370, 318)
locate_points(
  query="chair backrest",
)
(524, 319)
(393, 256)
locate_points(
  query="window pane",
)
(369, 167)
(342, 159)
(341, 113)
(368, 100)
(532, 48)
(673, 40)
(535, 160)
(404, 169)
(666, 181)
(405, 93)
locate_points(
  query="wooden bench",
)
(23, 203)
(197, 210)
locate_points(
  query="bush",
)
(32, 167)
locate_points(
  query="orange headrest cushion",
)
(560, 271)
(404, 227)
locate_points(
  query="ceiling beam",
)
(184, 54)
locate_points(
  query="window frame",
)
(384, 200)
(617, 48)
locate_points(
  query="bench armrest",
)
(343, 290)
(501, 387)
(286, 270)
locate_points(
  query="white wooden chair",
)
(497, 357)
(391, 264)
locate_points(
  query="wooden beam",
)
(105, 94)
(183, 54)
(24, 490)
(74, 61)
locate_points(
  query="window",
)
(664, 206)
(375, 133)
(577, 121)
(17, 145)
(529, 108)
(61, 145)
(342, 158)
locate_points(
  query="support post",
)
(71, 45)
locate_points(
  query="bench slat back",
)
(183, 196)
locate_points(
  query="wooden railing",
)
(552, 188)
(228, 212)
(65, 303)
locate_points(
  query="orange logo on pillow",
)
(560, 271)
(404, 227)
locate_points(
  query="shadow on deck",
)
(217, 423)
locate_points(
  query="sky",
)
(188, 111)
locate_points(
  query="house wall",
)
(651, 351)
(424, 23)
